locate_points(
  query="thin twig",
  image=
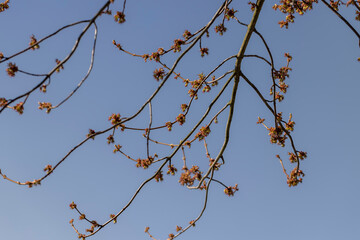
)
(148, 131)
(88, 72)
(203, 209)
(257, 56)
(43, 39)
(343, 19)
(90, 22)
(273, 112)
(32, 74)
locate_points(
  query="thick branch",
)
(239, 58)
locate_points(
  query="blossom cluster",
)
(290, 7)
(190, 175)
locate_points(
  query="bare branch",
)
(88, 72)
(343, 19)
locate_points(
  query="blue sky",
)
(323, 98)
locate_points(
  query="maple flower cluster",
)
(231, 190)
(4, 6)
(295, 177)
(12, 69)
(281, 75)
(3, 102)
(181, 119)
(171, 169)
(119, 17)
(33, 40)
(203, 133)
(189, 176)
(144, 163)
(45, 105)
(290, 7)
(61, 67)
(115, 118)
(301, 155)
(159, 74)
(177, 45)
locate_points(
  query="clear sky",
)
(323, 98)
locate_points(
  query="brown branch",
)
(221, 77)
(217, 114)
(206, 149)
(132, 117)
(32, 74)
(88, 72)
(165, 144)
(272, 73)
(148, 131)
(90, 22)
(257, 56)
(177, 62)
(237, 73)
(75, 229)
(151, 236)
(356, 4)
(282, 165)
(131, 199)
(127, 156)
(273, 112)
(82, 214)
(192, 223)
(43, 39)
(204, 80)
(221, 183)
(343, 19)
(184, 157)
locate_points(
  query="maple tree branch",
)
(88, 72)
(166, 158)
(32, 74)
(273, 112)
(148, 131)
(239, 58)
(342, 19)
(61, 63)
(257, 56)
(43, 39)
(177, 62)
(131, 199)
(192, 223)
